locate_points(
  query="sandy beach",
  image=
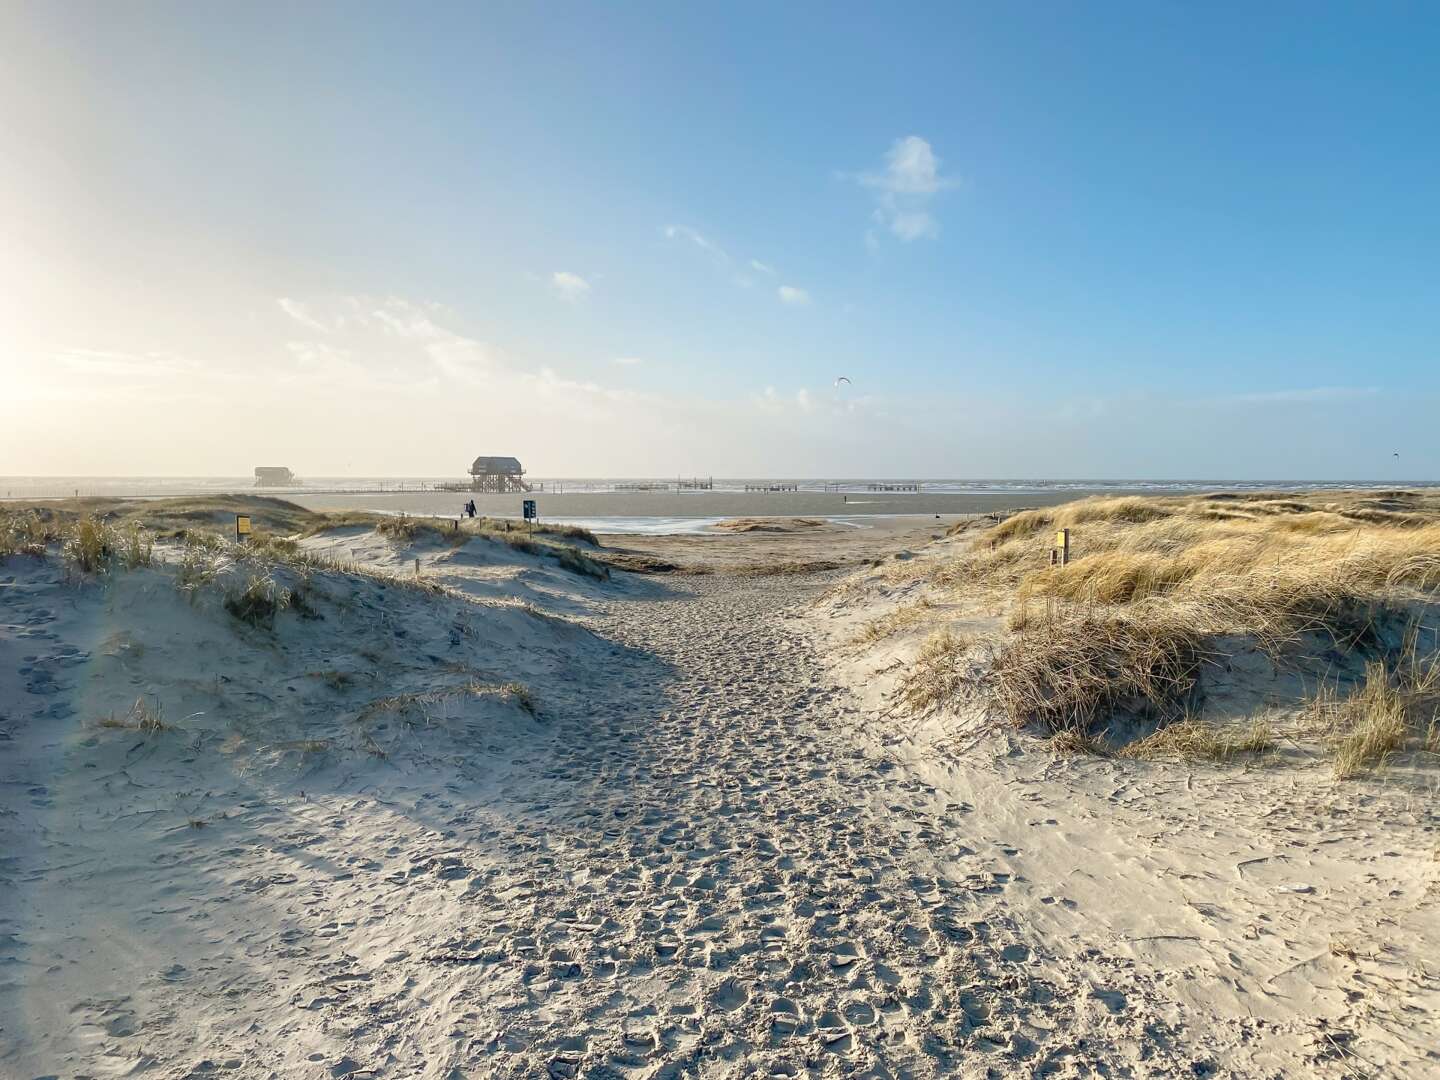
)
(697, 504)
(463, 808)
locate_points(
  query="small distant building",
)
(274, 476)
(497, 475)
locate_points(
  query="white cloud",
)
(904, 189)
(769, 402)
(302, 314)
(685, 232)
(627, 361)
(570, 286)
(739, 270)
(911, 168)
(913, 225)
(806, 402)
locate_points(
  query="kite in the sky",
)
(841, 379)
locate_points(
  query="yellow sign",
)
(242, 525)
(1060, 538)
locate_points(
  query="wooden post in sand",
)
(1060, 553)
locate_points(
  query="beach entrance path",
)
(716, 874)
(697, 853)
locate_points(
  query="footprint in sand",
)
(784, 1018)
(772, 938)
(730, 995)
(1113, 1000)
(834, 1034)
(640, 1043)
(844, 956)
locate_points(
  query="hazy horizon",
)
(1122, 241)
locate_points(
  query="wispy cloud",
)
(300, 312)
(685, 232)
(570, 286)
(769, 401)
(627, 361)
(739, 271)
(905, 188)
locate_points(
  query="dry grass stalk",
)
(142, 716)
(1079, 743)
(939, 673)
(1069, 670)
(1395, 706)
(1157, 584)
(258, 601)
(424, 701)
(901, 619)
(1193, 738)
(24, 533)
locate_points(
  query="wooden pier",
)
(893, 487)
(772, 487)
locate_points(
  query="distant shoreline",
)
(19, 487)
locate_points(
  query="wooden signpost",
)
(242, 528)
(1060, 553)
(528, 507)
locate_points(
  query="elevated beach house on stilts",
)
(497, 475)
(274, 476)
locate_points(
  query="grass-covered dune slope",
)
(1187, 625)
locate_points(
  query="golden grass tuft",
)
(1193, 738)
(87, 544)
(939, 673)
(1079, 743)
(142, 717)
(258, 600)
(1397, 705)
(93, 546)
(24, 532)
(897, 621)
(1070, 668)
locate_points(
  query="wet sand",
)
(845, 542)
(700, 504)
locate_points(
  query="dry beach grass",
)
(1161, 594)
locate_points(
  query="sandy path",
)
(730, 880)
(703, 864)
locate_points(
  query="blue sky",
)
(1138, 240)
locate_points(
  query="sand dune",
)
(503, 818)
